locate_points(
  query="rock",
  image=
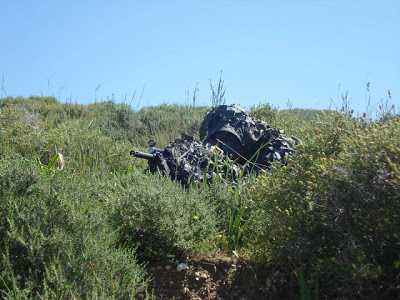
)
(201, 274)
(181, 267)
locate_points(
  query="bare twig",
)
(95, 92)
(2, 88)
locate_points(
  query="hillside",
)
(79, 218)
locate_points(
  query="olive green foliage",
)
(332, 214)
(66, 181)
(89, 137)
(78, 216)
(54, 242)
(158, 216)
(165, 123)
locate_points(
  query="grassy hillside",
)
(79, 218)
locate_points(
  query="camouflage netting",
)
(188, 160)
(245, 137)
(232, 139)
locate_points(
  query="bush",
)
(54, 241)
(159, 216)
(165, 123)
(116, 121)
(332, 214)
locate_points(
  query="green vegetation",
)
(80, 219)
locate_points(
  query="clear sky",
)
(269, 51)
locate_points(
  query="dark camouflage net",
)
(245, 137)
(232, 140)
(188, 160)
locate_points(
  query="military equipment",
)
(188, 160)
(233, 141)
(144, 155)
(245, 137)
(151, 156)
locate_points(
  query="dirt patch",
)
(217, 277)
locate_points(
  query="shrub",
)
(55, 242)
(165, 123)
(159, 216)
(332, 214)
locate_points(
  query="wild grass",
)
(78, 217)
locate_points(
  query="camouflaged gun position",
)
(232, 141)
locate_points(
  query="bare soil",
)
(218, 277)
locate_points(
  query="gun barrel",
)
(144, 155)
(155, 149)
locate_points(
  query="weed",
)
(218, 95)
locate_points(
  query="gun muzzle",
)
(143, 155)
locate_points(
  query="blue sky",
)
(309, 52)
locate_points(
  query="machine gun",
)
(154, 158)
(152, 152)
(188, 160)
